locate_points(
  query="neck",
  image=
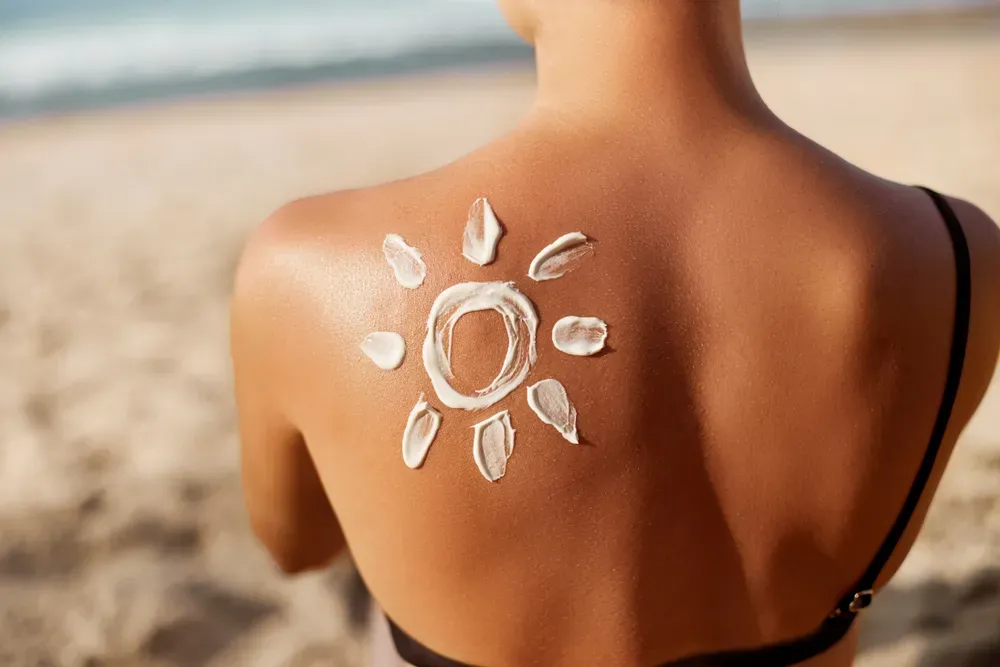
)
(666, 60)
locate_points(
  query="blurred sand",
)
(122, 535)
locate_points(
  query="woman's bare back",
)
(780, 325)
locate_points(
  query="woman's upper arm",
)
(288, 507)
(984, 332)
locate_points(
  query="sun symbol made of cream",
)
(493, 438)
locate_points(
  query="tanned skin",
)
(780, 331)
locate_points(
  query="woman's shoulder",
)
(983, 351)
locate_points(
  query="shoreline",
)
(968, 22)
(364, 87)
(985, 17)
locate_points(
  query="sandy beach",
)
(123, 540)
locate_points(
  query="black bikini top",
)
(837, 624)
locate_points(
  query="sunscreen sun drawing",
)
(493, 438)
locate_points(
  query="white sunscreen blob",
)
(549, 401)
(559, 257)
(482, 234)
(421, 429)
(385, 348)
(519, 319)
(492, 445)
(405, 260)
(580, 336)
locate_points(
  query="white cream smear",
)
(405, 260)
(549, 401)
(519, 319)
(421, 429)
(580, 336)
(385, 348)
(560, 257)
(482, 234)
(492, 445)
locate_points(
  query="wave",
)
(48, 61)
(65, 54)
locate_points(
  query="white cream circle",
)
(518, 314)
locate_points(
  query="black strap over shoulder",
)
(861, 597)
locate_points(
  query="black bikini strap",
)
(414, 653)
(861, 597)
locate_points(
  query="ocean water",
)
(66, 54)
